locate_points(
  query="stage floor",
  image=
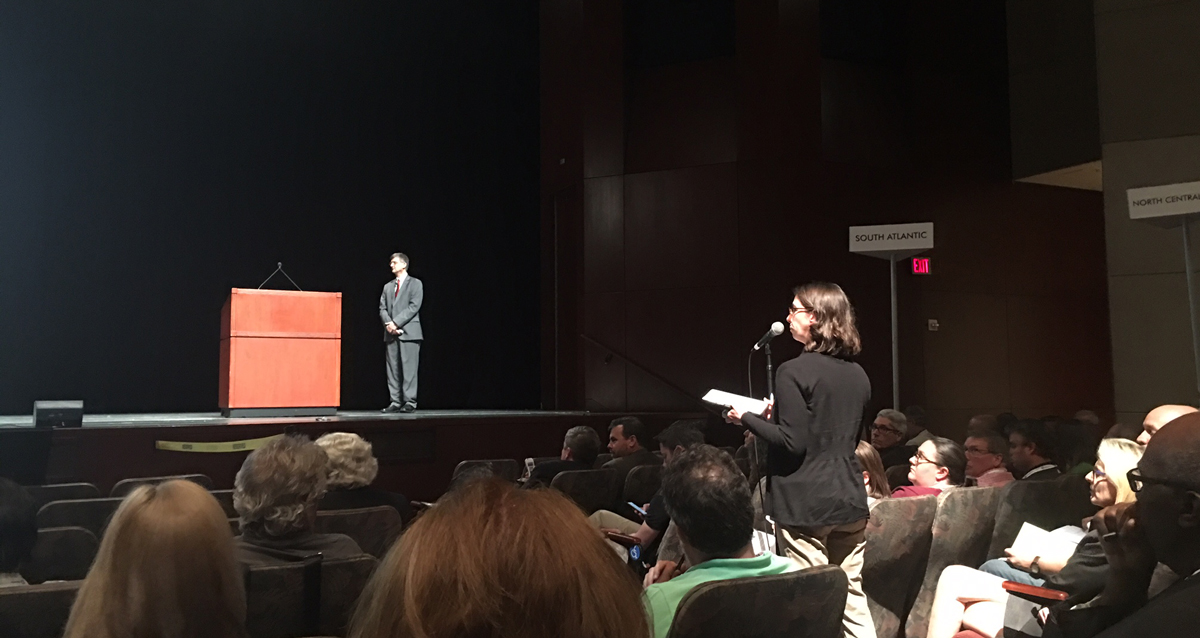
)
(186, 419)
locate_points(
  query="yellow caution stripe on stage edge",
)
(218, 446)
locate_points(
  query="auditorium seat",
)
(125, 486)
(538, 460)
(43, 494)
(743, 465)
(899, 534)
(373, 528)
(225, 498)
(507, 469)
(602, 459)
(61, 553)
(91, 514)
(808, 603)
(276, 595)
(962, 532)
(897, 476)
(641, 484)
(1046, 504)
(37, 611)
(590, 489)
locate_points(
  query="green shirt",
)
(662, 600)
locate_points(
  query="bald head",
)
(1174, 451)
(1159, 417)
(1168, 505)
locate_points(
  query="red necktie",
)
(397, 290)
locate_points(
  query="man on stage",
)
(400, 312)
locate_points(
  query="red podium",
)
(281, 353)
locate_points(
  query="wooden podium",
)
(281, 353)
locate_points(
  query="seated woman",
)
(874, 477)
(18, 531)
(276, 494)
(939, 464)
(166, 567)
(973, 599)
(351, 469)
(491, 560)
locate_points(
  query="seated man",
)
(939, 464)
(671, 441)
(580, 448)
(985, 459)
(1159, 417)
(18, 531)
(1031, 451)
(914, 417)
(888, 436)
(625, 436)
(276, 494)
(709, 499)
(351, 469)
(1163, 526)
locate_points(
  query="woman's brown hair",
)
(166, 568)
(869, 459)
(833, 331)
(491, 560)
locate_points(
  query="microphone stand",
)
(770, 372)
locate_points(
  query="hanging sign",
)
(1164, 201)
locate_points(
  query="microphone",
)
(775, 331)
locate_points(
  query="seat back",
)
(373, 528)
(1048, 504)
(61, 553)
(91, 514)
(125, 486)
(642, 483)
(807, 603)
(897, 476)
(225, 498)
(601, 459)
(590, 489)
(36, 611)
(43, 494)
(507, 469)
(275, 598)
(962, 532)
(898, 538)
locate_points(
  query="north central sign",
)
(1164, 201)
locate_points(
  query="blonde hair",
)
(166, 568)
(351, 463)
(1120, 456)
(279, 485)
(490, 560)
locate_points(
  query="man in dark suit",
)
(1163, 526)
(625, 436)
(400, 312)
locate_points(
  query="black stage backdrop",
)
(154, 155)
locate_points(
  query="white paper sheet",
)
(741, 403)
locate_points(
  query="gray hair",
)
(584, 444)
(279, 485)
(351, 463)
(896, 417)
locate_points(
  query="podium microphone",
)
(775, 331)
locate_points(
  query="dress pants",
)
(402, 360)
(841, 545)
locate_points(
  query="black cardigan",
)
(813, 477)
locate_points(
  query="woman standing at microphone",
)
(814, 483)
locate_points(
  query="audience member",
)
(986, 451)
(1088, 417)
(18, 531)
(938, 465)
(915, 432)
(679, 436)
(1159, 417)
(1129, 431)
(276, 494)
(983, 423)
(1005, 421)
(709, 499)
(1031, 451)
(165, 568)
(492, 561)
(1161, 526)
(1076, 447)
(350, 470)
(887, 436)
(580, 448)
(625, 436)
(874, 476)
(975, 600)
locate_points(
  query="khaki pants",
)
(842, 545)
(604, 519)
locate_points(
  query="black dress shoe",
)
(393, 408)
(409, 407)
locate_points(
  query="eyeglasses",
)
(1137, 482)
(1101, 474)
(884, 429)
(977, 451)
(793, 310)
(922, 459)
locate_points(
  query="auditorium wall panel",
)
(681, 115)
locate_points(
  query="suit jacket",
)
(1174, 613)
(813, 477)
(404, 309)
(544, 473)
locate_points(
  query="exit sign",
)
(920, 265)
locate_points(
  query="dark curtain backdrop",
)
(154, 155)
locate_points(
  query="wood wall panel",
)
(682, 115)
(603, 90)
(604, 234)
(1052, 341)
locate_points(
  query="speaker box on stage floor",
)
(58, 414)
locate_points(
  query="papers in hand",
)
(1035, 540)
(736, 401)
